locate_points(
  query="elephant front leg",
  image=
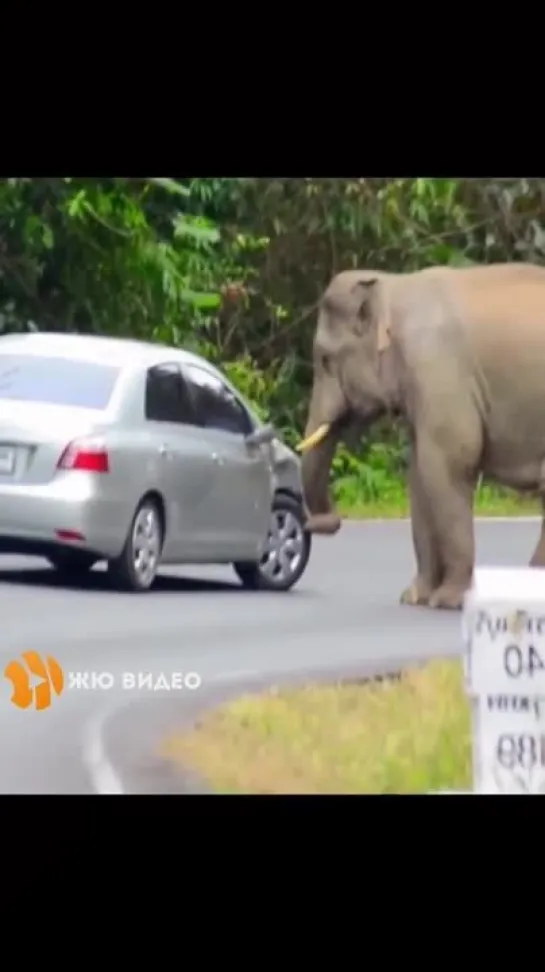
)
(449, 499)
(428, 564)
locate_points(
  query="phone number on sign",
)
(519, 661)
(516, 764)
(524, 751)
(509, 742)
(511, 667)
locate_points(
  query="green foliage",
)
(233, 268)
(375, 478)
(92, 255)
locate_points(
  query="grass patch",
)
(408, 736)
(489, 501)
(375, 486)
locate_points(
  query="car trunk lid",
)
(34, 435)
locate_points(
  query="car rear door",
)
(187, 467)
(242, 491)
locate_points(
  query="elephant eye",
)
(325, 362)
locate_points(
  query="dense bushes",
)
(234, 267)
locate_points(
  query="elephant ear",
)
(370, 308)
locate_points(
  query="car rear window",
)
(56, 381)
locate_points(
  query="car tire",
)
(136, 567)
(72, 563)
(285, 558)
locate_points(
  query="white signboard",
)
(504, 629)
(504, 634)
(509, 744)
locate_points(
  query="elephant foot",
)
(448, 597)
(417, 594)
(323, 523)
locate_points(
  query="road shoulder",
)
(132, 737)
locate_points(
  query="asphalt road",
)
(343, 616)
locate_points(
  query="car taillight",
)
(87, 456)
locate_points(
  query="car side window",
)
(167, 398)
(215, 405)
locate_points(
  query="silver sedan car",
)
(141, 455)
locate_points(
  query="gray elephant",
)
(460, 354)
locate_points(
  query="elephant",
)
(458, 353)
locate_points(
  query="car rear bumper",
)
(33, 517)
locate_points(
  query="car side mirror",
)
(261, 436)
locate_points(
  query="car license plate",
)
(7, 461)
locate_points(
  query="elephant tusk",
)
(313, 440)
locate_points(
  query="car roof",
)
(123, 352)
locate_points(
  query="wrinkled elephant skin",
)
(459, 353)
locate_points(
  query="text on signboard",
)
(514, 703)
(521, 752)
(524, 660)
(517, 623)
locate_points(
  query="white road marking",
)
(104, 778)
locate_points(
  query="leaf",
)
(171, 186)
(75, 206)
(197, 229)
(201, 301)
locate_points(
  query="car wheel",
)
(136, 567)
(72, 563)
(286, 552)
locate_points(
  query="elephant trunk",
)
(315, 467)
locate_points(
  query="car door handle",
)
(218, 459)
(163, 450)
